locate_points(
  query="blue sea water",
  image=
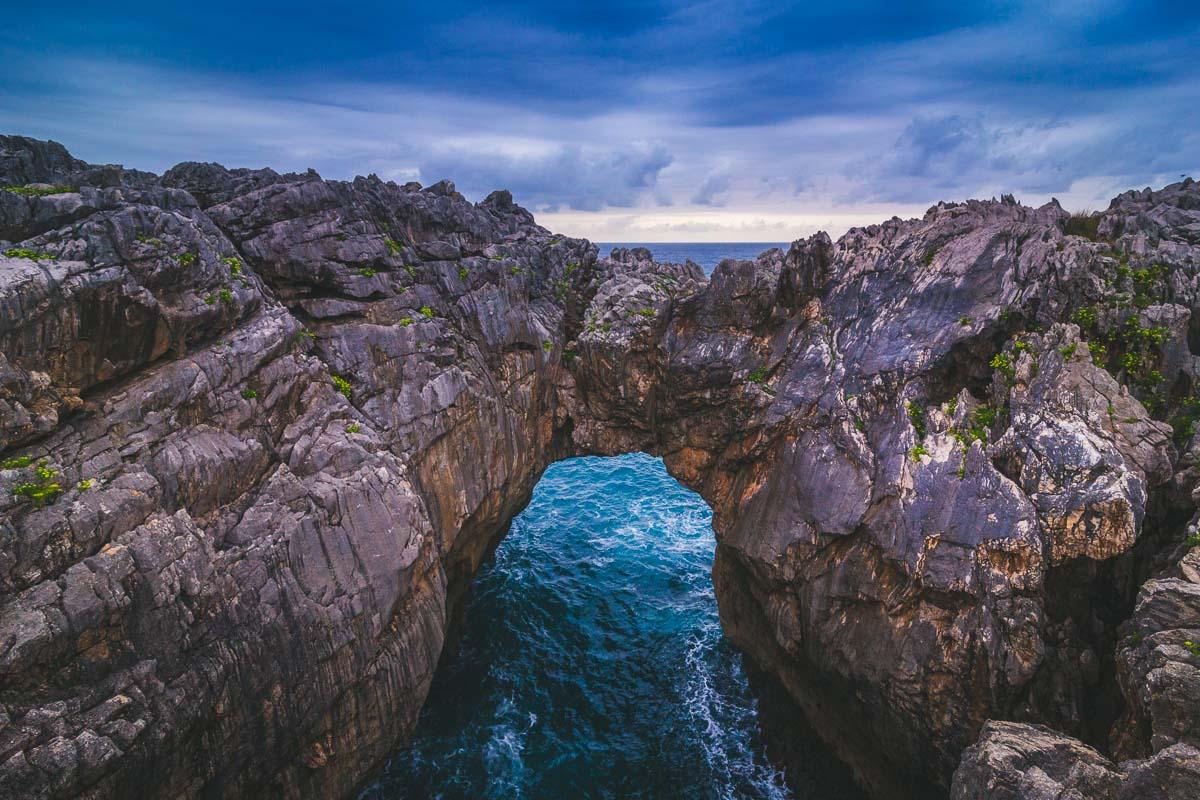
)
(706, 254)
(591, 661)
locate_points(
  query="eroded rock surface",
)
(280, 421)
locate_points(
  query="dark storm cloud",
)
(625, 104)
(569, 177)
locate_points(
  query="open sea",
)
(591, 662)
(706, 254)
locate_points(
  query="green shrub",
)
(234, 264)
(37, 191)
(226, 296)
(20, 462)
(1068, 351)
(1085, 317)
(25, 252)
(463, 272)
(411, 270)
(758, 375)
(44, 488)
(1099, 352)
(1184, 423)
(84, 485)
(1082, 223)
(917, 452)
(916, 415)
(353, 427)
(645, 312)
(184, 259)
(514, 270)
(547, 345)
(210, 299)
(392, 245)
(1192, 647)
(406, 321)
(965, 321)
(249, 394)
(1002, 363)
(368, 272)
(1194, 540)
(342, 385)
(427, 312)
(305, 333)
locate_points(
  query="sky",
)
(725, 120)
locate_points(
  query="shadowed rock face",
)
(289, 417)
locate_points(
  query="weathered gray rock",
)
(289, 417)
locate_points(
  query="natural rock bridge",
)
(280, 420)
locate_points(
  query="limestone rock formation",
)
(258, 431)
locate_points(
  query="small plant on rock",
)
(25, 252)
(39, 191)
(1192, 647)
(917, 452)
(392, 245)
(342, 385)
(1086, 317)
(427, 312)
(20, 462)
(84, 484)
(44, 487)
(353, 427)
(368, 272)
(547, 345)
(916, 415)
(1002, 363)
(249, 394)
(1082, 223)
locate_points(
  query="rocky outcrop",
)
(259, 430)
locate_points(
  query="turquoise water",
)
(592, 663)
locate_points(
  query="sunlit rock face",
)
(284, 419)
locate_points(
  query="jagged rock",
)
(1014, 761)
(289, 416)
(1031, 762)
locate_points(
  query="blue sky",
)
(657, 121)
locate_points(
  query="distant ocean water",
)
(706, 254)
(591, 662)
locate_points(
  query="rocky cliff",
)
(259, 430)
